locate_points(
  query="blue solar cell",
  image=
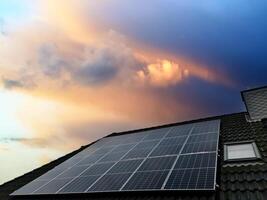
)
(72, 172)
(90, 159)
(97, 169)
(137, 153)
(51, 174)
(203, 137)
(166, 150)
(53, 186)
(200, 147)
(113, 156)
(177, 131)
(196, 161)
(125, 166)
(158, 163)
(156, 134)
(30, 187)
(125, 147)
(80, 184)
(146, 180)
(110, 182)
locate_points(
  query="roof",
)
(243, 180)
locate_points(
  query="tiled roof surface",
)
(240, 181)
(247, 180)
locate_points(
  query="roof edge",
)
(173, 124)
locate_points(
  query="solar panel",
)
(180, 157)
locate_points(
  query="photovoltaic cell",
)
(141, 150)
(79, 184)
(103, 150)
(180, 157)
(146, 180)
(190, 179)
(156, 134)
(137, 153)
(30, 187)
(110, 182)
(196, 161)
(179, 131)
(125, 147)
(72, 172)
(158, 163)
(52, 186)
(166, 150)
(52, 174)
(169, 146)
(125, 166)
(97, 169)
(200, 147)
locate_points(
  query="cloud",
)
(11, 84)
(81, 79)
(49, 60)
(33, 142)
(163, 73)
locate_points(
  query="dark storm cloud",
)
(221, 34)
(94, 65)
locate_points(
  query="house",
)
(220, 157)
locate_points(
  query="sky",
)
(73, 71)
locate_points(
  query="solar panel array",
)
(182, 157)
